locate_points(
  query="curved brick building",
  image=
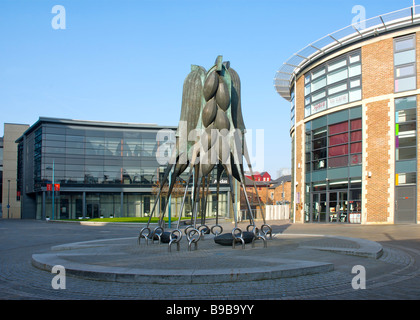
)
(354, 97)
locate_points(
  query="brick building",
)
(270, 192)
(354, 98)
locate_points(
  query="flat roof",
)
(103, 124)
(372, 27)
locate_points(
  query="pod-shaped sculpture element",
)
(222, 121)
(209, 112)
(210, 85)
(222, 95)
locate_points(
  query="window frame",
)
(405, 64)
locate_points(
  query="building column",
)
(84, 205)
(43, 206)
(122, 204)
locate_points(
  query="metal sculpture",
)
(210, 135)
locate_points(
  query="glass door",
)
(318, 209)
(342, 213)
(337, 209)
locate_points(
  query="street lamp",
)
(8, 198)
(52, 189)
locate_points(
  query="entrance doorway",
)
(337, 208)
(92, 210)
(405, 204)
(319, 208)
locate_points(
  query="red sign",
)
(49, 187)
(57, 187)
(18, 193)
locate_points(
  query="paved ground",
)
(395, 275)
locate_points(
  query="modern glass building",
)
(68, 169)
(354, 99)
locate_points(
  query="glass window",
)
(337, 64)
(356, 147)
(406, 115)
(318, 84)
(356, 136)
(403, 44)
(356, 124)
(405, 84)
(354, 58)
(406, 153)
(405, 71)
(355, 70)
(338, 150)
(338, 162)
(307, 89)
(405, 63)
(355, 83)
(337, 76)
(406, 178)
(307, 111)
(355, 159)
(339, 139)
(404, 57)
(355, 95)
(318, 73)
(338, 88)
(405, 141)
(338, 128)
(318, 96)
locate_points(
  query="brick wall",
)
(378, 80)
(378, 68)
(300, 149)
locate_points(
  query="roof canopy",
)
(353, 33)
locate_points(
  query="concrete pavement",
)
(300, 262)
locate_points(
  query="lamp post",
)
(8, 198)
(53, 188)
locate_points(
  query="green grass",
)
(127, 219)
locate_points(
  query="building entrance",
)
(319, 209)
(337, 209)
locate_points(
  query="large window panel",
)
(318, 84)
(405, 57)
(406, 153)
(339, 139)
(338, 150)
(337, 77)
(405, 63)
(405, 43)
(337, 64)
(405, 84)
(338, 128)
(338, 162)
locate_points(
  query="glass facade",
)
(405, 63)
(334, 83)
(97, 170)
(92, 157)
(333, 157)
(334, 145)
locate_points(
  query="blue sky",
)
(126, 60)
